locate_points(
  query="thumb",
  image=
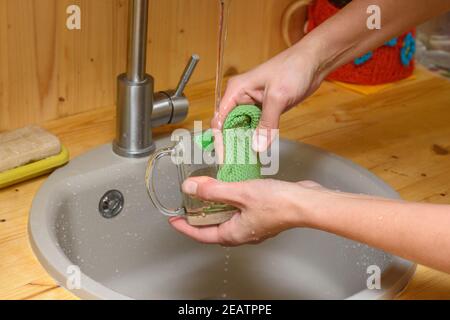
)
(273, 105)
(210, 189)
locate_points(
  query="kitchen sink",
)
(93, 219)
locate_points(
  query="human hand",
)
(267, 207)
(278, 85)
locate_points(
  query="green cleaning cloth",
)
(240, 161)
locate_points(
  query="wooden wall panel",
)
(48, 71)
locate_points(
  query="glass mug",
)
(190, 162)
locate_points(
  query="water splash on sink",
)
(226, 269)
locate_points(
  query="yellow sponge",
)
(27, 153)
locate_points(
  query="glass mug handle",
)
(149, 182)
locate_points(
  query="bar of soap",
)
(25, 145)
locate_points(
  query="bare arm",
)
(346, 36)
(415, 231)
(419, 232)
(293, 75)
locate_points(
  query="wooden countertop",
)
(401, 134)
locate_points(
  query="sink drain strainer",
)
(111, 204)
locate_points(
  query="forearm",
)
(415, 231)
(346, 36)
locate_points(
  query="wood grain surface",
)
(49, 72)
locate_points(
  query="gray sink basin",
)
(137, 255)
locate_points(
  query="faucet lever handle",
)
(187, 73)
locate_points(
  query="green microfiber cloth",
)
(241, 162)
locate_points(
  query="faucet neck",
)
(137, 40)
(138, 108)
(135, 90)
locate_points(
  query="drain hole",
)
(111, 204)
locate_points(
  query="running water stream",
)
(224, 10)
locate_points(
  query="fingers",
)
(204, 235)
(275, 102)
(264, 214)
(209, 189)
(243, 90)
(235, 94)
(228, 233)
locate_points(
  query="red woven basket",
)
(392, 62)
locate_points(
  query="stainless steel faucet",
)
(139, 109)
